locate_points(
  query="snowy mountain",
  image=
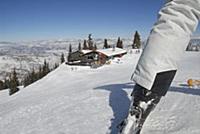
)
(26, 56)
(81, 100)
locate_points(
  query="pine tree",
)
(62, 59)
(33, 76)
(79, 46)
(45, 68)
(15, 78)
(95, 47)
(119, 43)
(70, 48)
(69, 53)
(48, 68)
(10, 80)
(40, 72)
(14, 83)
(90, 42)
(1, 85)
(105, 44)
(6, 83)
(27, 80)
(56, 65)
(136, 41)
(85, 47)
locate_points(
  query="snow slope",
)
(81, 100)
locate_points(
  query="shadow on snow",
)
(119, 100)
(186, 90)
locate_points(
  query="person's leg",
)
(144, 101)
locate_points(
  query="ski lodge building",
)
(97, 57)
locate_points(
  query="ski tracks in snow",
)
(176, 112)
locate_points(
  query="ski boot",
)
(143, 102)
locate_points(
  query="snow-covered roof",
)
(86, 51)
(112, 51)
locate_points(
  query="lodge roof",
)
(86, 51)
(108, 52)
(112, 51)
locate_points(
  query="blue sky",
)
(53, 19)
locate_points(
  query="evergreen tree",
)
(56, 66)
(33, 76)
(48, 68)
(79, 46)
(26, 80)
(69, 53)
(6, 83)
(44, 71)
(90, 42)
(119, 43)
(1, 85)
(70, 48)
(14, 83)
(95, 47)
(136, 41)
(40, 72)
(62, 59)
(45, 68)
(85, 47)
(15, 78)
(105, 44)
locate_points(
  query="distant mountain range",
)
(25, 55)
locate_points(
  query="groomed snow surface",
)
(81, 100)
